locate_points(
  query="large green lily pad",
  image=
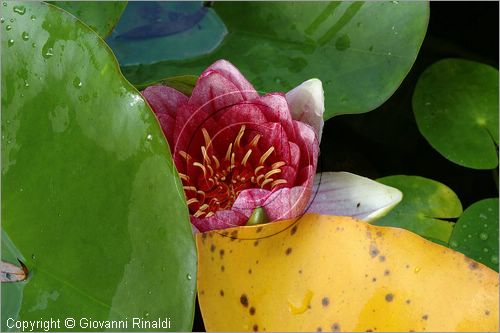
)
(360, 50)
(425, 208)
(476, 232)
(456, 108)
(101, 16)
(91, 201)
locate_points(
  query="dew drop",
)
(150, 292)
(25, 35)
(33, 17)
(21, 189)
(163, 269)
(33, 44)
(389, 53)
(11, 20)
(2, 20)
(483, 236)
(8, 27)
(10, 42)
(20, 10)
(149, 137)
(469, 235)
(464, 226)
(277, 80)
(5, 4)
(427, 103)
(77, 83)
(494, 259)
(482, 216)
(395, 2)
(485, 225)
(486, 250)
(33, 257)
(393, 27)
(146, 314)
(188, 276)
(49, 53)
(453, 244)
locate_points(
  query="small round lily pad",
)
(456, 109)
(476, 233)
(426, 207)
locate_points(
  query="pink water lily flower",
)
(236, 150)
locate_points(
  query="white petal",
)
(307, 104)
(347, 194)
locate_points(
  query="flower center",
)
(221, 178)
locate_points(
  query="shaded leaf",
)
(185, 83)
(91, 201)
(456, 108)
(361, 51)
(476, 233)
(425, 208)
(101, 16)
(329, 273)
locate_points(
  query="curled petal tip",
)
(307, 104)
(347, 194)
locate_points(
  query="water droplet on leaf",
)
(77, 83)
(25, 35)
(20, 10)
(8, 27)
(494, 259)
(453, 244)
(483, 236)
(10, 42)
(188, 276)
(33, 17)
(149, 137)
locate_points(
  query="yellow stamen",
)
(228, 153)
(198, 214)
(183, 176)
(203, 207)
(205, 155)
(185, 155)
(208, 141)
(210, 214)
(255, 140)
(269, 180)
(278, 165)
(189, 188)
(257, 169)
(272, 172)
(238, 137)
(217, 164)
(278, 182)
(266, 155)
(202, 167)
(191, 201)
(245, 158)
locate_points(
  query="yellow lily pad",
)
(329, 273)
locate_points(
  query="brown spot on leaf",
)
(288, 251)
(425, 317)
(387, 272)
(212, 248)
(300, 271)
(319, 329)
(222, 268)
(335, 327)
(374, 279)
(252, 311)
(358, 204)
(389, 297)
(381, 258)
(221, 292)
(379, 234)
(259, 229)
(408, 301)
(244, 300)
(373, 251)
(202, 292)
(293, 230)
(256, 243)
(221, 252)
(255, 328)
(325, 301)
(203, 236)
(234, 235)
(473, 265)
(487, 312)
(250, 271)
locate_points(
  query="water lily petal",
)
(307, 104)
(347, 194)
(165, 102)
(12, 273)
(226, 69)
(221, 220)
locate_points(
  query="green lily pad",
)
(456, 108)
(476, 233)
(101, 16)
(360, 50)
(425, 208)
(91, 201)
